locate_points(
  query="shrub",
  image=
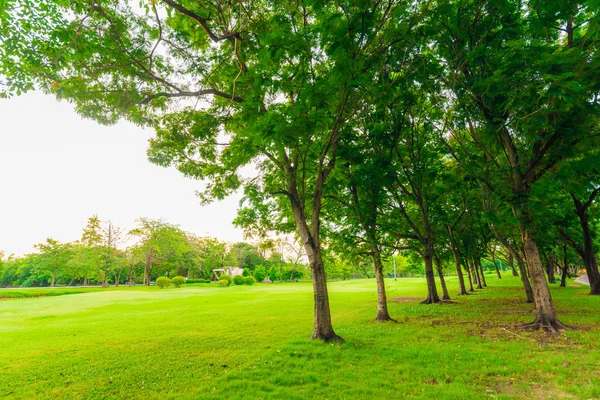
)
(239, 280)
(273, 274)
(227, 277)
(250, 280)
(223, 282)
(178, 281)
(259, 273)
(195, 281)
(163, 282)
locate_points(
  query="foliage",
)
(223, 282)
(178, 281)
(260, 273)
(249, 280)
(226, 277)
(239, 280)
(163, 282)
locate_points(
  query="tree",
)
(528, 96)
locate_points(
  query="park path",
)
(583, 279)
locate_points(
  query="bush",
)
(250, 280)
(259, 273)
(223, 282)
(178, 281)
(163, 282)
(239, 280)
(195, 281)
(227, 277)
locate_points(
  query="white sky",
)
(57, 170)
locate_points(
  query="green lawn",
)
(253, 342)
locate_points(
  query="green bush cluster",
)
(228, 278)
(178, 281)
(239, 280)
(250, 280)
(198, 281)
(163, 282)
(223, 282)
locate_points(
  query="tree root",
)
(331, 338)
(385, 319)
(429, 300)
(547, 326)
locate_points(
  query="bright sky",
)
(57, 170)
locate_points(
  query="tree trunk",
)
(544, 309)
(105, 279)
(440, 271)
(466, 265)
(525, 278)
(85, 281)
(71, 281)
(432, 295)
(53, 278)
(511, 262)
(118, 277)
(550, 269)
(382, 309)
(323, 329)
(565, 269)
(478, 264)
(492, 253)
(589, 259)
(477, 277)
(130, 277)
(461, 279)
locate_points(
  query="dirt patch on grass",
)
(406, 299)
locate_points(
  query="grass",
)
(253, 342)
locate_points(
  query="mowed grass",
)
(254, 342)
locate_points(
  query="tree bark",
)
(493, 254)
(511, 262)
(524, 278)
(323, 328)
(440, 271)
(565, 268)
(589, 258)
(471, 289)
(477, 277)
(53, 278)
(544, 309)
(478, 264)
(382, 309)
(432, 295)
(461, 279)
(550, 269)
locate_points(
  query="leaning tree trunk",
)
(511, 262)
(525, 278)
(589, 259)
(544, 309)
(495, 264)
(480, 266)
(382, 309)
(477, 277)
(440, 271)
(461, 279)
(471, 289)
